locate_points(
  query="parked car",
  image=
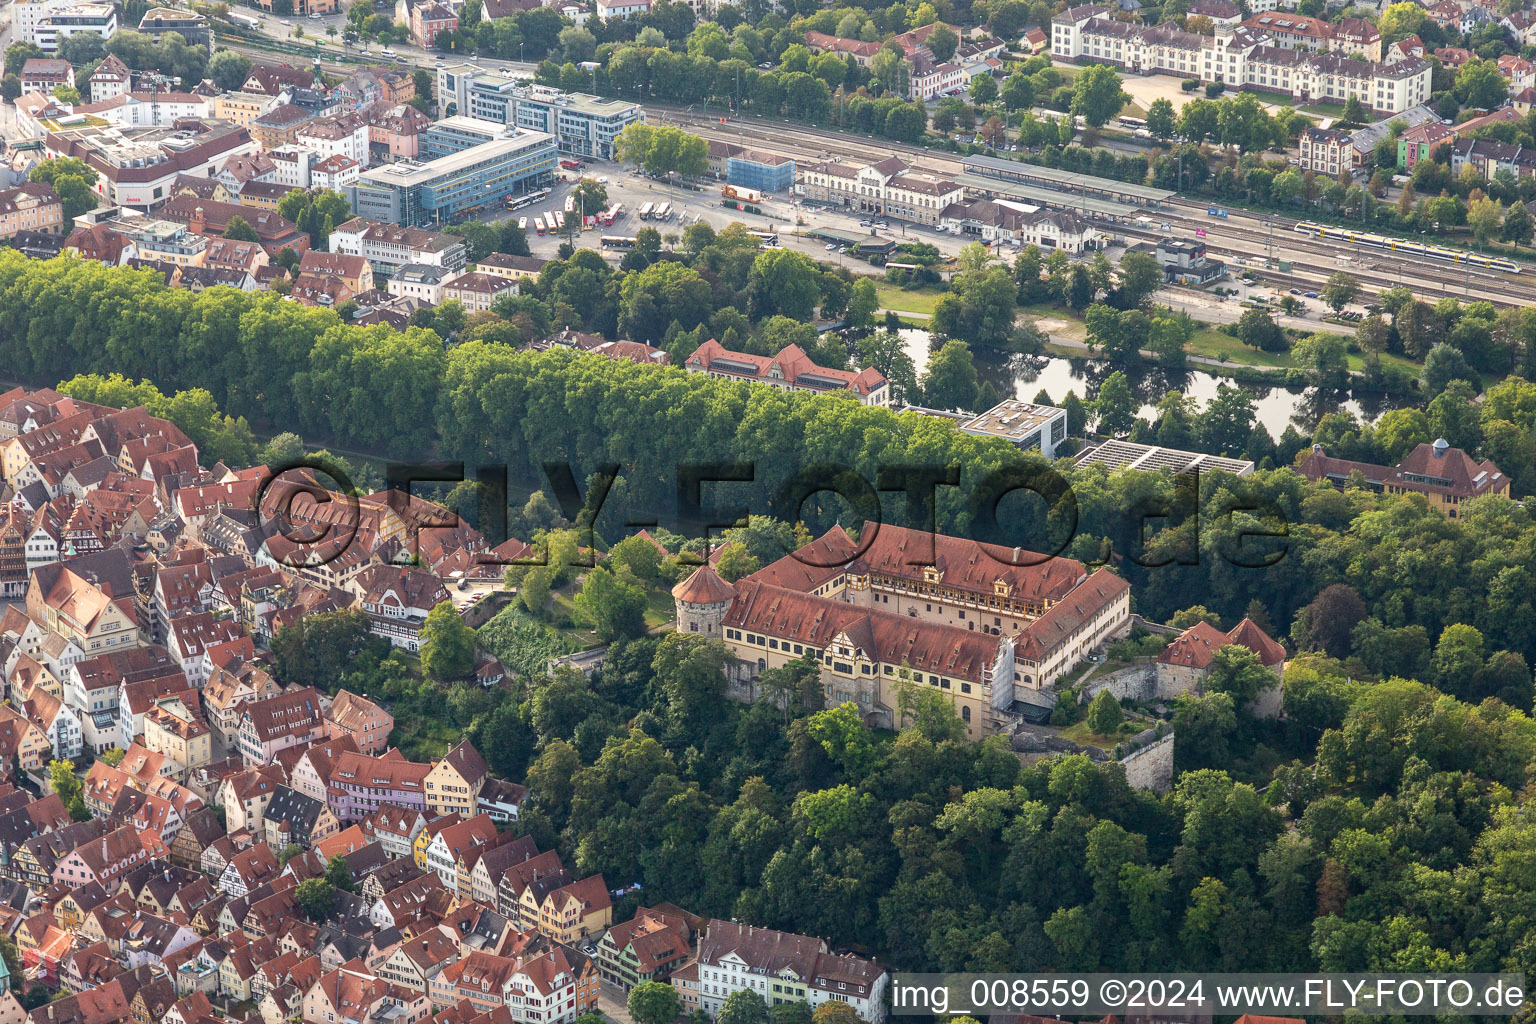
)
(1311, 295)
(830, 246)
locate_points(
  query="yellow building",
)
(453, 784)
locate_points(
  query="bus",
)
(645, 211)
(1133, 122)
(612, 214)
(618, 242)
(538, 224)
(522, 224)
(555, 220)
(767, 239)
(663, 212)
(570, 204)
(245, 20)
(528, 200)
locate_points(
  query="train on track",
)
(1402, 245)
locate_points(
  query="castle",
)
(983, 624)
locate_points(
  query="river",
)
(1274, 407)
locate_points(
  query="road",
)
(782, 215)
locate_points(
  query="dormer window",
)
(930, 574)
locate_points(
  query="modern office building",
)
(456, 134)
(582, 124)
(91, 19)
(190, 25)
(434, 193)
(1024, 424)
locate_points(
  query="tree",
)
(1104, 714)
(229, 69)
(784, 283)
(616, 607)
(1140, 276)
(239, 229)
(589, 196)
(10, 88)
(338, 875)
(1443, 364)
(950, 381)
(863, 301)
(66, 94)
(1340, 290)
(797, 1012)
(577, 44)
(72, 180)
(315, 896)
(943, 42)
(1237, 671)
(64, 782)
(1519, 225)
(744, 1006)
(447, 644)
(835, 1011)
(1484, 216)
(17, 55)
(1321, 360)
(1018, 92)
(654, 1002)
(13, 964)
(1327, 622)
(983, 90)
(1161, 119)
(1115, 407)
(1401, 20)
(1479, 84)
(1097, 96)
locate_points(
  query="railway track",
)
(1373, 268)
(1308, 266)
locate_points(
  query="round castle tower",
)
(702, 601)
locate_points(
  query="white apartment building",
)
(785, 968)
(388, 246)
(345, 135)
(92, 19)
(1239, 57)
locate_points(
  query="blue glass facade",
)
(765, 177)
(454, 186)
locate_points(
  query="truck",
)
(742, 195)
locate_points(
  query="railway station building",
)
(884, 189)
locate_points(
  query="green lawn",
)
(1213, 344)
(660, 609)
(424, 739)
(907, 300)
(1083, 736)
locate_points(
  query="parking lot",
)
(781, 214)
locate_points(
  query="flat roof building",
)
(1023, 424)
(1130, 455)
(436, 192)
(582, 124)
